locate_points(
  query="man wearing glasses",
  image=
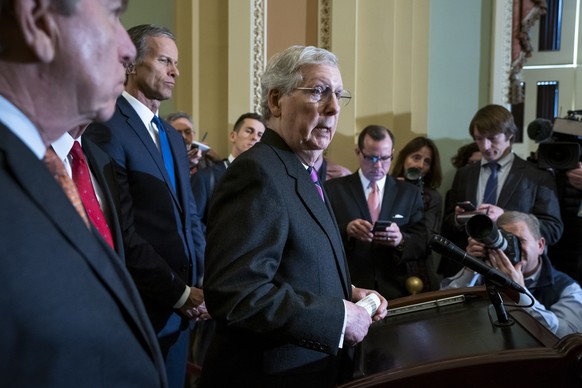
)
(276, 280)
(381, 219)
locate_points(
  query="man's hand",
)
(391, 236)
(357, 323)
(575, 176)
(476, 249)
(360, 230)
(500, 261)
(360, 293)
(491, 211)
(194, 154)
(194, 308)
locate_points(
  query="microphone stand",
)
(497, 302)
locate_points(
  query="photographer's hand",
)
(575, 176)
(476, 249)
(500, 261)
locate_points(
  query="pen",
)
(204, 136)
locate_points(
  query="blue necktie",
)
(165, 150)
(490, 194)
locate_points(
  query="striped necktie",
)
(313, 174)
(58, 171)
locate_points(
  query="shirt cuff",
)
(183, 298)
(341, 341)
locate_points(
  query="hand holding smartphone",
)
(467, 206)
(380, 226)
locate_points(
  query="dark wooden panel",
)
(458, 345)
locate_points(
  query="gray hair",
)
(512, 217)
(138, 35)
(283, 71)
(179, 115)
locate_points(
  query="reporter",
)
(566, 254)
(421, 153)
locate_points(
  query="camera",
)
(562, 149)
(482, 228)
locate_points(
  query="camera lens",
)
(483, 229)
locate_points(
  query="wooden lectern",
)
(449, 339)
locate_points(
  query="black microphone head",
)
(412, 174)
(539, 130)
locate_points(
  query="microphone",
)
(443, 246)
(540, 130)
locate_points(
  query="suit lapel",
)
(516, 174)
(472, 181)
(135, 123)
(355, 188)
(104, 174)
(388, 199)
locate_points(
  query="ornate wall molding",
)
(259, 49)
(325, 24)
(507, 25)
(501, 63)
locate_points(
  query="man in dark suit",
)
(501, 181)
(247, 131)
(71, 315)
(164, 244)
(377, 259)
(276, 280)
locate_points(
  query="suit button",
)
(185, 268)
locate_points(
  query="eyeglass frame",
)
(374, 158)
(325, 94)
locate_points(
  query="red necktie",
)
(58, 171)
(374, 202)
(82, 179)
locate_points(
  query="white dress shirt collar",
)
(22, 127)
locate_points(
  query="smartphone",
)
(467, 206)
(380, 226)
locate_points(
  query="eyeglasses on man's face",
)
(323, 94)
(375, 158)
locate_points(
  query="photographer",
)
(557, 297)
(559, 152)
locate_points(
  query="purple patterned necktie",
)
(313, 173)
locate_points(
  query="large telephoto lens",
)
(483, 229)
